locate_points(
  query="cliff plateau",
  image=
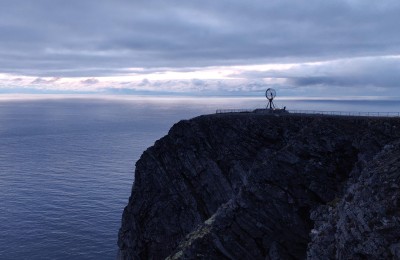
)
(257, 186)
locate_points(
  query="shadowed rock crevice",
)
(248, 186)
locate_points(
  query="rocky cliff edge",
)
(256, 186)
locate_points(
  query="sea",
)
(67, 163)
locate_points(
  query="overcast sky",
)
(208, 47)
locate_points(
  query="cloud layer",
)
(350, 42)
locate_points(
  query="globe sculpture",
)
(270, 95)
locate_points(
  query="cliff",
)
(256, 186)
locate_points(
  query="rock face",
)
(365, 223)
(256, 186)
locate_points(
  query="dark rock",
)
(365, 224)
(258, 186)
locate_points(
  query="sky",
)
(304, 48)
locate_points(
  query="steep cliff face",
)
(253, 186)
(365, 222)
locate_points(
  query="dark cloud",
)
(39, 81)
(198, 82)
(358, 73)
(98, 38)
(90, 81)
(144, 82)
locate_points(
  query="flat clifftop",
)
(256, 186)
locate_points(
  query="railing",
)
(317, 112)
(346, 113)
(222, 111)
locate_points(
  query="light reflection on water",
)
(66, 165)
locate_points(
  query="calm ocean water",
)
(66, 166)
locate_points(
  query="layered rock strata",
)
(256, 186)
